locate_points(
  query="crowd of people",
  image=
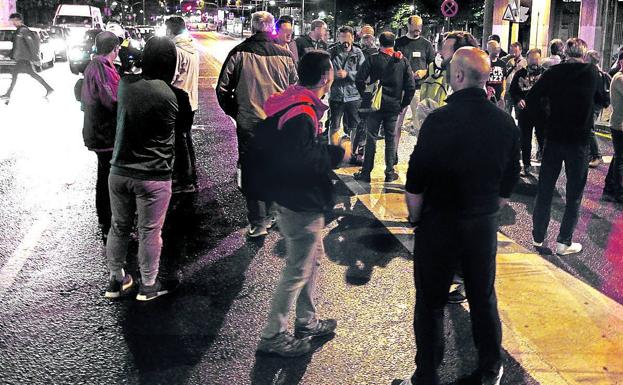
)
(464, 104)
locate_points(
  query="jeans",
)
(526, 125)
(184, 167)
(303, 235)
(102, 196)
(594, 148)
(25, 67)
(150, 199)
(575, 158)
(614, 179)
(443, 243)
(350, 112)
(388, 119)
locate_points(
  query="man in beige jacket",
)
(187, 79)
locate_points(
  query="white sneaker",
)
(493, 379)
(257, 231)
(537, 244)
(562, 249)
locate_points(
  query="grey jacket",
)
(345, 90)
(24, 45)
(253, 71)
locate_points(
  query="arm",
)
(515, 92)
(352, 75)
(539, 90)
(181, 67)
(227, 82)
(602, 96)
(415, 202)
(362, 76)
(293, 76)
(419, 171)
(511, 171)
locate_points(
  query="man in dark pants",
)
(394, 73)
(25, 52)
(462, 171)
(99, 103)
(613, 188)
(571, 89)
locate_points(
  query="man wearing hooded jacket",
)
(187, 79)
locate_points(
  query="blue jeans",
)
(575, 159)
(303, 234)
(150, 199)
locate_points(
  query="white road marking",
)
(14, 264)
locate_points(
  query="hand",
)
(342, 74)
(521, 104)
(420, 74)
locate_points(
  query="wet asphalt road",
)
(56, 327)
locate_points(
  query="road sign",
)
(449, 8)
(515, 16)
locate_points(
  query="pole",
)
(302, 18)
(144, 13)
(335, 20)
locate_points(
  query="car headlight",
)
(58, 44)
(76, 54)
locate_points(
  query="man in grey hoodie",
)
(187, 79)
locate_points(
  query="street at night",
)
(562, 316)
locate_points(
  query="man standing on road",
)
(304, 193)
(25, 52)
(186, 79)
(462, 171)
(99, 103)
(556, 53)
(393, 72)
(496, 85)
(514, 62)
(420, 54)
(571, 90)
(344, 99)
(315, 39)
(141, 169)
(253, 71)
(613, 189)
(284, 36)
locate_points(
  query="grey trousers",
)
(303, 234)
(150, 199)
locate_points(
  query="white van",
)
(78, 16)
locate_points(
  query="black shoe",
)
(595, 162)
(527, 170)
(354, 160)
(49, 93)
(272, 224)
(391, 177)
(158, 289)
(116, 289)
(322, 328)
(362, 176)
(284, 345)
(457, 295)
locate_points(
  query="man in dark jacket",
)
(99, 103)
(344, 99)
(462, 171)
(314, 40)
(571, 90)
(522, 82)
(242, 92)
(25, 52)
(141, 168)
(304, 193)
(394, 73)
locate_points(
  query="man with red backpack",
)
(25, 52)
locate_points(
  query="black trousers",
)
(527, 124)
(575, 158)
(443, 243)
(184, 168)
(102, 196)
(347, 110)
(614, 179)
(388, 120)
(25, 67)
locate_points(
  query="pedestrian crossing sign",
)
(516, 15)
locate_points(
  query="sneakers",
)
(272, 223)
(457, 295)
(362, 176)
(391, 177)
(562, 249)
(322, 328)
(537, 244)
(284, 345)
(492, 378)
(147, 293)
(116, 289)
(257, 231)
(595, 162)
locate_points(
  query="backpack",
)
(604, 90)
(34, 45)
(259, 168)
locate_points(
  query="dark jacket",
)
(344, 90)
(146, 118)
(253, 71)
(304, 182)
(99, 103)
(305, 43)
(419, 52)
(396, 77)
(25, 45)
(570, 92)
(466, 157)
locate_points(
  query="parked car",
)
(60, 41)
(81, 50)
(46, 49)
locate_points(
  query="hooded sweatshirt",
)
(304, 182)
(187, 71)
(394, 73)
(571, 91)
